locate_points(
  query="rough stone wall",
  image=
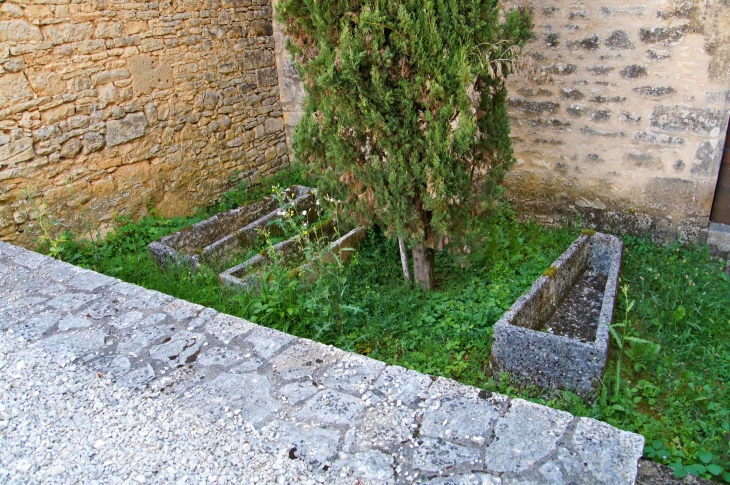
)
(629, 131)
(111, 107)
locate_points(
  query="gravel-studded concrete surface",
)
(62, 423)
(158, 389)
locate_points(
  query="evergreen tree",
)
(405, 110)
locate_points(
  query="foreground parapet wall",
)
(110, 108)
(351, 414)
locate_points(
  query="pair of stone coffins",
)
(219, 238)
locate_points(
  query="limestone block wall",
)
(110, 107)
(629, 131)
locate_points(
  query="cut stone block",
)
(35, 327)
(332, 407)
(138, 378)
(133, 343)
(315, 446)
(399, 384)
(353, 373)
(226, 328)
(111, 366)
(717, 238)
(385, 426)
(266, 341)
(470, 479)
(303, 360)
(608, 453)
(460, 414)
(527, 433)
(297, 392)
(221, 236)
(70, 322)
(434, 455)
(126, 129)
(18, 313)
(71, 301)
(556, 335)
(370, 467)
(182, 348)
(248, 366)
(219, 356)
(249, 393)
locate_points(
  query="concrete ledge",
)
(717, 238)
(354, 416)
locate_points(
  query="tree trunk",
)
(423, 259)
(404, 259)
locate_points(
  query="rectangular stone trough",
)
(223, 235)
(556, 335)
(247, 274)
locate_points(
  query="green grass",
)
(672, 385)
(448, 331)
(680, 395)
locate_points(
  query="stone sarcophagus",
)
(227, 234)
(248, 274)
(556, 335)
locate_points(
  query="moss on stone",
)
(551, 272)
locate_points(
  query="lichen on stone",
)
(551, 272)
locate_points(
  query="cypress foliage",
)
(405, 110)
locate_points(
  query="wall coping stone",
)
(336, 408)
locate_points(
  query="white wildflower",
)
(304, 212)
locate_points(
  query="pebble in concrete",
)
(356, 417)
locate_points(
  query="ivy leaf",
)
(679, 470)
(715, 469)
(705, 456)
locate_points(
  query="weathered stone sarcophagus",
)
(556, 335)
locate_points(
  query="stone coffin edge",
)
(306, 200)
(229, 277)
(557, 346)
